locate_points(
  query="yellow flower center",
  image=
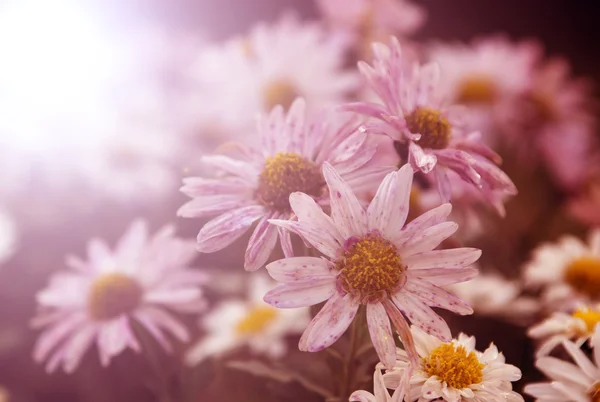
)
(583, 275)
(256, 321)
(284, 174)
(454, 366)
(279, 92)
(432, 125)
(112, 295)
(370, 267)
(477, 90)
(594, 393)
(589, 316)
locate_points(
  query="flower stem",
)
(348, 370)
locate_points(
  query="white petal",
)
(430, 218)
(451, 258)
(261, 245)
(299, 268)
(317, 237)
(302, 293)
(307, 210)
(428, 239)
(381, 334)
(437, 297)
(422, 316)
(223, 230)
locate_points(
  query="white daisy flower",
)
(455, 371)
(568, 271)
(568, 382)
(251, 322)
(579, 326)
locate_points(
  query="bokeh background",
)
(65, 220)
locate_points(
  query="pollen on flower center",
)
(583, 275)
(256, 320)
(454, 366)
(477, 90)
(284, 174)
(589, 316)
(279, 92)
(112, 295)
(432, 125)
(370, 267)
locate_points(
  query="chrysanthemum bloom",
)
(371, 259)
(579, 326)
(373, 19)
(100, 299)
(272, 65)
(568, 271)
(257, 187)
(492, 295)
(554, 122)
(455, 371)
(431, 132)
(568, 382)
(476, 76)
(380, 392)
(252, 322)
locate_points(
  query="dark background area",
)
(566, 28)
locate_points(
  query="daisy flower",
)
(99, 299)
(380, 392)
(257, 186)
(476, 75)
(272, 65)
(569, 382)
(431, 132)
(250, 322)
(490, 294)
(580, 326)
(372, 259)
(455, 371)
(568, 271)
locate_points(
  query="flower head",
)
(432, 134)
(579, 326)
(568, 271)
(100, 299)
(251, 322)
(371, 259)
(569, 382)
(257, 185)
(455, 371)
(272, 65)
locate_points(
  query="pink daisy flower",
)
(372, 259)
(432, 133)
(257, 186)
(100, 299)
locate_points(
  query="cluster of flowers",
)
(357, 176)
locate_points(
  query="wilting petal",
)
(422, 316)
(227, 228)
(330, 323)
(299, 268)
(346, 211)
(381, 334)
(302, 293)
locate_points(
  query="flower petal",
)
(427, 239)
(211, 205)
(346, 211)
(437, 297)
(381, 334)
(308, 211)
(261, 245)
(299, 268)
(451, 258)
(223, 230)
(317, 237)
(422, 315)
(301, 293)
(445, 276)
(330, 323)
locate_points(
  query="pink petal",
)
(443, 184)
(381, 334)
(430, 218)
(437, 297)
(200, 187)
(428, 239)
(111, 339)
(301, 293)
(403, 331)
(362, 396)
(201, 207)
(389, 208)
(165, 320)
(172, 295)
(223, 230)
(316, 236)
(366, 108)
(132, 244)
(232, 166)
(285, 240)
(50, 338)
(346, 211)
(308, 211)
(422, 316)
(261, 245)
(581, 359)
(77, 346)
(78, 264)
(299, 268)
(429, 76)
(452, 258)
(154, 330)
(419, 159)
(330, 323)
(444, 276)
(98, 253)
